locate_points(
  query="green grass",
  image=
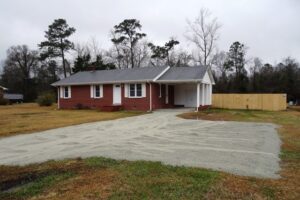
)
(153, 180)
(268, 192)
(285, 154)
(100, 162)
(35, 187)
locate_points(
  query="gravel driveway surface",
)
(250, 149)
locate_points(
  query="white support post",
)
(198, 96)
(58, 97)
(206, 94)
(210, 94)
(203, 95)
(150, 96)
(167, 94)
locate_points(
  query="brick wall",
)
(80, 96)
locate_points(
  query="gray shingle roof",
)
(13, 96)
(134, 75)
(183, 74)
(112, 76)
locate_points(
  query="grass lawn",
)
(101, 178)
(29, 117)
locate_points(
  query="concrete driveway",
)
(250, 149)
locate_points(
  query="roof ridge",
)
(136, 68)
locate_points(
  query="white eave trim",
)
(180, 81)
(3, 88)
(162, 73)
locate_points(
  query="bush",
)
(46, 99)
(4, 101)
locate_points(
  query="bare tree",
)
(183, 58)
(22, 58)
(218, 61)
(203, 33)
(142, 54)
(21, 64)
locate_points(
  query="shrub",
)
(46, 99)
(4, 101)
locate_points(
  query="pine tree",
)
(57, 43)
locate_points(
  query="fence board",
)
(271, 102)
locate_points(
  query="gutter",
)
(179, 81)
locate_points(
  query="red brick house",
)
(144, 89)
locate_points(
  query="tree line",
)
(31, 71)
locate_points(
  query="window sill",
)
(136, 97)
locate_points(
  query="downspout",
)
(198, 96)
(58, 93)
(150, 106)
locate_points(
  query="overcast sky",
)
(270, 28)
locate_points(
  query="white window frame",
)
(135, 90)
(63, 92)
(93, 91)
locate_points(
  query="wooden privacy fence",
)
(272, 102)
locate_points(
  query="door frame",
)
(120, 93)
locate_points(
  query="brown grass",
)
(29, 117)
(237, 187)
(88, 184)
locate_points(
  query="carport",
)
(189, 88)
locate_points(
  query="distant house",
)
(137, 89)
(12, 97)
(2, 89)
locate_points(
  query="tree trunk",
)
(132, 57)
(63, 59)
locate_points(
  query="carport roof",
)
(183, 74)
(145, 74)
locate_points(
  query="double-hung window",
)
(135, 90)
(96, 91)
(65, 92)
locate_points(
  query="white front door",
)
(117, 94)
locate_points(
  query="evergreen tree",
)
(236, 62)
(84, 63)
(162, 52)
(126, 34)
(57, 43)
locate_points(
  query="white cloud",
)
(270, 28)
